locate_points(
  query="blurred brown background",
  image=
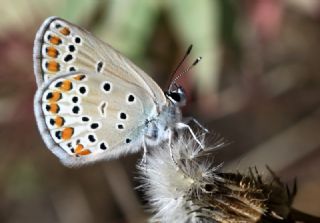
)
(258, 86)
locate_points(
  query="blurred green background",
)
(258, 85)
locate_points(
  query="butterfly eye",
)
(177, 97)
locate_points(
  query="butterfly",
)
(94, 104)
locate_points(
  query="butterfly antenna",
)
(179, 65)
(183, 72)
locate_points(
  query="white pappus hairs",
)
(190, 188)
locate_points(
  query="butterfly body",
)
(159, 129)
(94, 104)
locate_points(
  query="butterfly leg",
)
(143, 161)
(170, 149)
(181, 125)
(191, 119)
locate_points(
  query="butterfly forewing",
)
(62, 47)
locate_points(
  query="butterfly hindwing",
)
(86, 117)
(62, 47)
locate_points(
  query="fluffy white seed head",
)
(169, 182)
(184, 185)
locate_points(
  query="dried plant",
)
(187, 186)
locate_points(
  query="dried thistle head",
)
(189, 187)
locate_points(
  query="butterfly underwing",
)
(94, 104)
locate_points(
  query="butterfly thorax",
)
(159, 129)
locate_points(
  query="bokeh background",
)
(258, 85)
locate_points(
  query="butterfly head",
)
(176, 93)
(177, 96)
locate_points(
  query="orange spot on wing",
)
(65, 31)
(54, 108)
(53, 66)
(56, 96)
(67, 133)
(59, 121)
(79, 150)
(55, 40)
(52, 52)
(66, 85)
(79, 77)
(85, 152)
